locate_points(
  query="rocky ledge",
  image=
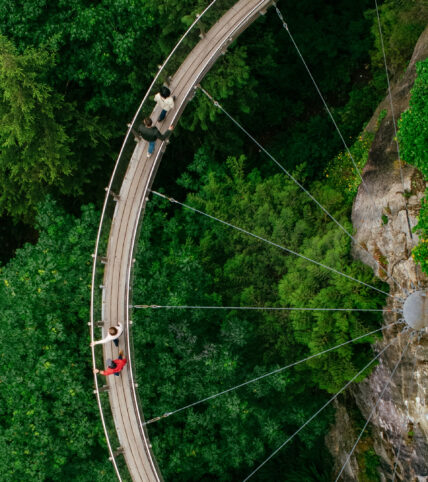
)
(384, 211)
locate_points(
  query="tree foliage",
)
(49, 426)
(413, 136)
(191, 354)
(37, 150)
(402, 23)
(71, 73)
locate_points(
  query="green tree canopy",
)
(413, 137)
(186, 355)
(37, 150)
(49, 423)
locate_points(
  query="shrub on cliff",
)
(413, 137)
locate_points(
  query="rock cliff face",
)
(384, 210)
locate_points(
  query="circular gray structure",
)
(415, 310)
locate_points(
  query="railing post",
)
(104, 388)
(116, 197)
(226, 45)
(97, 323)
(195, 88)
(117, 452)
(102, 259)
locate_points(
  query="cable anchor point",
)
(170, 199)
(278, 11)
(152, 420)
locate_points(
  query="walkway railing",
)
(202, 23)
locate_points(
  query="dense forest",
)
(71, 77)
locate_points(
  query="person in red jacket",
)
(114, 366)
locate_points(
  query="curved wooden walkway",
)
(129, 208)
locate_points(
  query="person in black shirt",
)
(150, 133)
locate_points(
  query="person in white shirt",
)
(165, 101)
(113, 334)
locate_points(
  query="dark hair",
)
(112, 330)
(112, 364)
(165, 92)
(147, 122)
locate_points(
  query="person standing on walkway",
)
(114, 367)
(165, 101)
(149, 133)
(113, 334)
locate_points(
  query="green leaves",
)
(187, 259)
(413, 137)
(38, 135)
(402, 23)
(49, 421)
(413, 129)
(34, 146)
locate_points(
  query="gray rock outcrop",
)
(384, 211)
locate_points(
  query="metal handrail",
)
(177, 113)
(97, 242)
(97, 393)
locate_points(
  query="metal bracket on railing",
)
(117, 452)
(102, 259)
(193, 93)
(104, 388)
(226, 45)
(202, 32)
(97, 323)
(116, 197)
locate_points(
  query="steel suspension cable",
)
(268, 308)
(172, 200)
(393, 117)
(284, 24)
(265, 375)
(317, 413)
(373, 409)
(217, 104)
